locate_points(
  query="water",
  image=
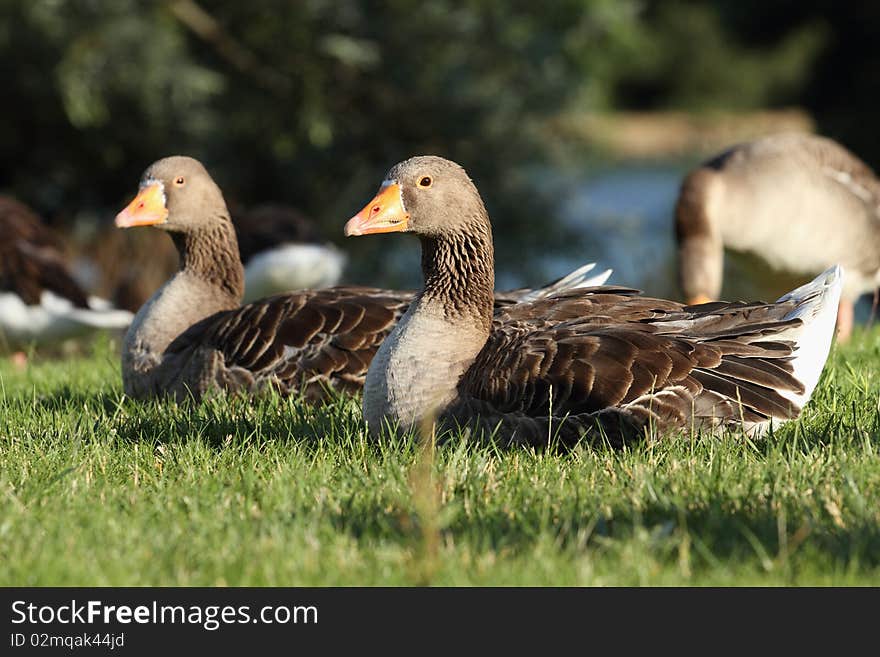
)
(627, 214)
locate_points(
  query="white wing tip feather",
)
(817, 303)
(578, 278)
(828, 285)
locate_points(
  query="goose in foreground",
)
(800, 202)
(40, 301)
(282, 251)
(596, 364)
(194, 336)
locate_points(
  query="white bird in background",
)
(282, 251)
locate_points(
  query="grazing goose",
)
(193, 335)
(40, 301)
(590, 363)
(282, 251)
(798, 201)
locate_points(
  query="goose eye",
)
(179, 181)
(425, 181)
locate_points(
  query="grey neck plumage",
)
(459, 272)
(416, 371)
(211, 254)
(210, 280)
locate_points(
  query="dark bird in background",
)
(40, 301)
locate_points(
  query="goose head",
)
(176, 194)
(426, 195)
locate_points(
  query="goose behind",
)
(800, 202)
(283, 251)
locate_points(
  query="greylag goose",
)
(798, 201)
(40, 301)
(193, 336)
(600, 363)
(282, 251)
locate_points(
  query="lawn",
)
(96, 489)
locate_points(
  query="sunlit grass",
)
(96, 489)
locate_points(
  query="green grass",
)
(98, 490)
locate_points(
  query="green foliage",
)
(98, 490)
(697, 62)
(288, 83)
(307, 102)
(310, 102)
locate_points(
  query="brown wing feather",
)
(320, 337)
(311, 340)
(632, 359)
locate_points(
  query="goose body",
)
(40, 301)
(601, 363)
(800, 202)
(193, 336)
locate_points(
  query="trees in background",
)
(309, 102)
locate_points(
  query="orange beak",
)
(384, 214)
(147, 208)
(698, 299)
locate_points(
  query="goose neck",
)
(211, 254)
(459, 274)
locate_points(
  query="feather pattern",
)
(641, 364)
(628, 355)
(305, 342)
(309, 342)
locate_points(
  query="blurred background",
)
(576, 119)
